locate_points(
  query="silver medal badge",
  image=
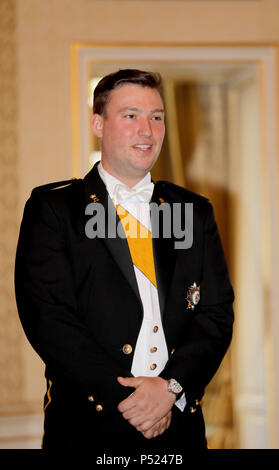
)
(193, 296)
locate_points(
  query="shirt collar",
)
(110, 181)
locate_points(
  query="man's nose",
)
(145, 127)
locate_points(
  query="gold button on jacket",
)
(99, 407)
(127, 349)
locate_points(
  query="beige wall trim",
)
(21, 432)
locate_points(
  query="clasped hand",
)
(148, 408)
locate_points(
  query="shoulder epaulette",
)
(55, 185)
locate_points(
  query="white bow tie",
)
(122, 193)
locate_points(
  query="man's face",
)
(131, 132)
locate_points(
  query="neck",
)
(129, 181)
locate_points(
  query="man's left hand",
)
(160, 427)
(150, 401)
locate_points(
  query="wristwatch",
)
(175, 388)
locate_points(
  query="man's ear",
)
(96, 123)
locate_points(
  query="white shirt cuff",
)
(181, 403)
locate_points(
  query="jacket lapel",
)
(116, 243)
(163, 248)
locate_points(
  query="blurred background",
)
(220, 68)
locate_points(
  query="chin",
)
(145, 165)
(142, 171)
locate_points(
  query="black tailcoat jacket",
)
(79, 304)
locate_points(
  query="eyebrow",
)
(158, 110)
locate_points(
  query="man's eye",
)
(157, 118)
(130, 116)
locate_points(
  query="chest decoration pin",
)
(193, 296)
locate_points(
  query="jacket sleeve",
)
(209, 332)
(47, 306)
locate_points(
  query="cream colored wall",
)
(45, 31)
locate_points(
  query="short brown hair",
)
(116, 79)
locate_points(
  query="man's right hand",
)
(160, 427)
(148, 404)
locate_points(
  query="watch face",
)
(174, 386)
(177, 388)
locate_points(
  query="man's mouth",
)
(142, 146)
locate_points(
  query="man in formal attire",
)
(131, 326)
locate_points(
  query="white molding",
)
(22, 431)
(250, 402)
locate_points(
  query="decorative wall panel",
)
(10, 370)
